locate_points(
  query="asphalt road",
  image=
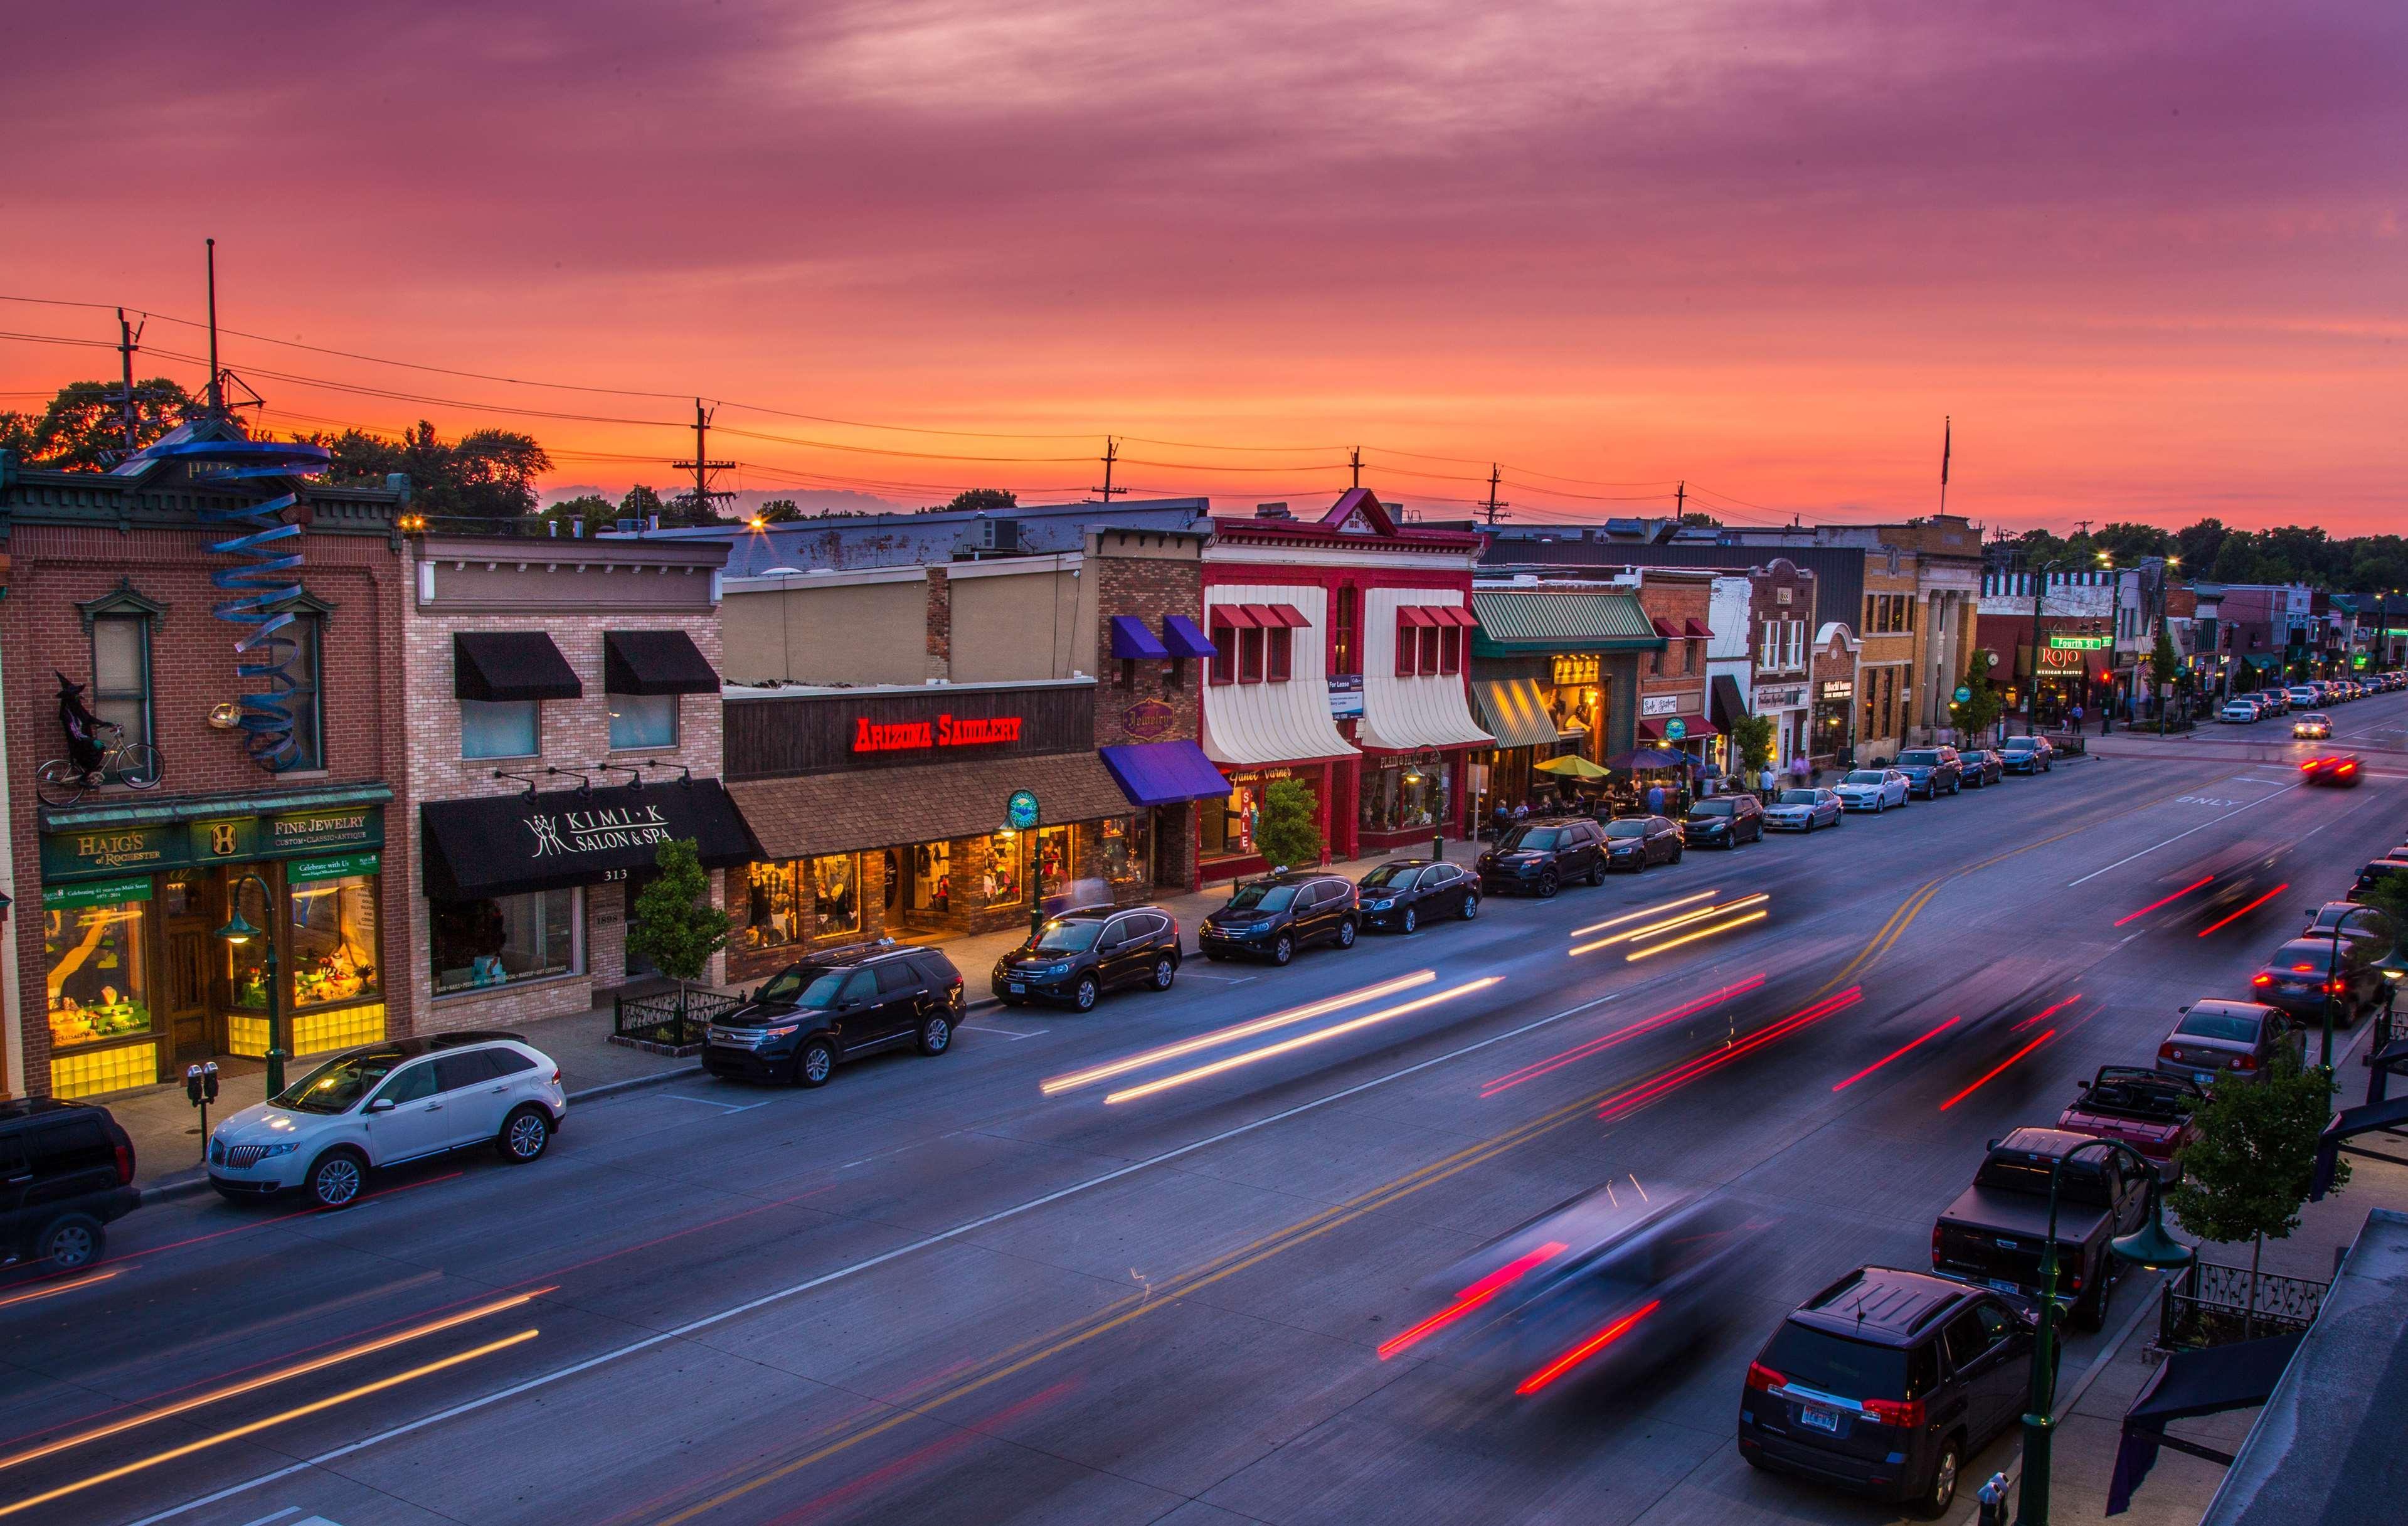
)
(932, 1291)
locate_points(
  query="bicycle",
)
(137, 766)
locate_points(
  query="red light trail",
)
(2154, 905)
(2248, 909)
(1994, 1071)
(2046, 1013)
(1584, 1350)
(1895, 1053)
(1471, 1298)
(1596, 1046)
(1682, 1075)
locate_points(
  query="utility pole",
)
(702, 466)
(2083, 526)
(1495, 505)
(1354, 460)
(1680, 499)
(127, 415)
(1947, 430)
(1111, 454)
(217, 392)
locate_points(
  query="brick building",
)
(1780, 634)
(1672, 704)
(564, 718)
(121, 976)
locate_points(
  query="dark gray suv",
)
(839, 1003)
(1931, 771)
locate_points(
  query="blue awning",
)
(1131, 639)
(1162, 773)
(1181, 637)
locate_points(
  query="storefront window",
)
(335, 941)
(1401, 795)
(929, 889)
(999, 885)
(836, 895)
(641, 720)
(478, 945)
(769, 918)
(1229, 824)
(500, 728)
(1057, 859)
(92, 964)
(1127, 840)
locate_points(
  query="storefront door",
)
(191, 998)
(638, 965)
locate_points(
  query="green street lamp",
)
(239, 930)
(2149, 1247)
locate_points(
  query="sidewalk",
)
(165, 1126)
(2091, 1399)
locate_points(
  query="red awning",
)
(1456, 614)
(1692, 727)
(1236, 616)
(1698, 631)
(1416, 614)
(1265, 616)
(1287, 615)
(1665, 629)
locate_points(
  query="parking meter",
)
(201, 1089)
(1994, 1501)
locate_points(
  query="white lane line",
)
(288, 1510)
(2179, 836)
(733, 1311)
(1185, 974)
(1008, 1033)
(708, 1102)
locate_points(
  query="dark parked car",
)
(1983, 767)
(1078, 955)
(2153, 1112)
(1931, 771)
(2218, 1039)
(66, 1168)
(2297, 976)
(2365, 922)
(2393, 866)
(1725, 821)
(1539, 858)
(1403, 893)
(1996, 1229)
(1634, 842)
(2028, 754)
(1273, 917)
(1886, 1382)
(1804, 809)
(839, 1003)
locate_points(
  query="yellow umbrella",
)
(1572, 765)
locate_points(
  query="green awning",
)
(1515, 711)
(1514, 621)
(125, 810)
(2264, 660)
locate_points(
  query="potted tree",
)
(2247, 1174)
(673, 923)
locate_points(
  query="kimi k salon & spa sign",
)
(562, 833)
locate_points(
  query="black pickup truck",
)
(1994, 1231)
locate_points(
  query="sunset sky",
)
(2150, 257)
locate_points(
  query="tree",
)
(1702, 520)
(1752, 736)
(1286, 832)
(590, 510)
(81, 430)
(487, 474)
(640, 503)
(2165, 662)
(983, 500)
(674, 925)
(2388, 896)
(1985, 704)
(777, 511)
(2248, 1172)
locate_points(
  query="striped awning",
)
(1515, 709)
(1519, 621)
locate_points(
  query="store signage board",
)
(1675, 729)
(1839, 689)
(1148, 719)
(232, 839)
(318, 831)
(2081, 643)
(1660, 704)
(1021, 812)
(1780, 696)
(1346, 695)
(340, 866)
(97, 892)
(1963, 693)
(944, 730)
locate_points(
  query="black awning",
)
(504, 845)
(511, 665)
(1728, 707)
(2186, 1385)
(655, 663)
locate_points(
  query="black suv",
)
(1886, 1382)
(1271, 918)
(1931, 771)
(66, 1168)
(1724, 822)
(839, 1003)
(1078, 955)
(1541, 857)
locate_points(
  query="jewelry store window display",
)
(93, 945)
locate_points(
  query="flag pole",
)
(1946, 428)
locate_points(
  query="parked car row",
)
(2313, 696)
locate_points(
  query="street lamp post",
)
(239, 930)
(2148, 1247)
(2332, 980)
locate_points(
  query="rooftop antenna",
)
(217, 392)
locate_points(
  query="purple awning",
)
(1163, 773)
(1131, 639)
(1180, 635)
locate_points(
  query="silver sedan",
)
(1803, 810)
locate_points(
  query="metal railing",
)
(675, 1019)
(2209, 1304)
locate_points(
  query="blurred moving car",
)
(67, 1169)
(2216, 1039)
(2315, 724)
(2302, 973)
(1273, 917)
(1803, 810)
(2341, 772)
(1886, 1382)
(1983, 767)
(2153, 1112)
(1539, 858)
(1932, 771)
(1635, 842)
(1724, 822)
(1077, 956)
(1997, 1231)
(383, 1103)
(1403, 893)
(1874, 790)
(2029, 755)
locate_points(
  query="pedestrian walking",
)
(2075, 716)
(1765, 782)
(1655, 800)
(1801, 773)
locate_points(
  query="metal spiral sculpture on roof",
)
(264, 584)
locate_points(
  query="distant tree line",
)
(2214, 552)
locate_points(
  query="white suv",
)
(375, 1106)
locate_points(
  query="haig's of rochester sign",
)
(597, 831)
